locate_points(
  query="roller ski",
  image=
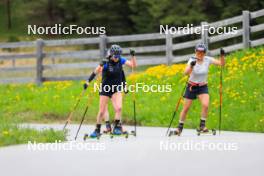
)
(204, 130)
(123, 134)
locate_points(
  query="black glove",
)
(222, 52)
(193, 63)
(132, 52)
(85, 86)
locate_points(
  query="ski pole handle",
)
(222, 52)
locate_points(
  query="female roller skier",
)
(197, 69)
(106, 115)
(111, 87)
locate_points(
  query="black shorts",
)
(109, 92)
(191, 92)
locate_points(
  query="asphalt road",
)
(150, 153)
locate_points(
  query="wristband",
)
(92, 76)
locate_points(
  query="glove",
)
(222, 52)
(193, 63)
(132, 52)
(85, 86)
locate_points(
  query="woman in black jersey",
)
(106, 115)
(111, 86)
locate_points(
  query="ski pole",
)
(83, 116)
(90, 98)
(73, 110)
(222, 54)
(220, 96)
(176, 108)
(86, 109)
(132, 53)
(134, 106)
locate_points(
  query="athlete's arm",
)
(220, 61)
(189, 68)
(132, 62)
(97, 70)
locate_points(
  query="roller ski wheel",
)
(133, 133)
(198, 133)
(126, 134)
(85, 137)
(214, 132)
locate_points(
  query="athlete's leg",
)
(204, 99)
(107, 122)
(117, 104)
(186, 107)
(106, 114)
(102, 108)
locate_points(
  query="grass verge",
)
(243, 97)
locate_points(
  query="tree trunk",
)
(8, 6)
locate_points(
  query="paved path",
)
(150, 153)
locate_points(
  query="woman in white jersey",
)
(197, 69)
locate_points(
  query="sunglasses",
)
(116, 56)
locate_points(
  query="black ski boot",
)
(202, 127)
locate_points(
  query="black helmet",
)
(200, 47)
(115, 50)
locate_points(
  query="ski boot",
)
(176, 132)
(95, 134)
(118, 131)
